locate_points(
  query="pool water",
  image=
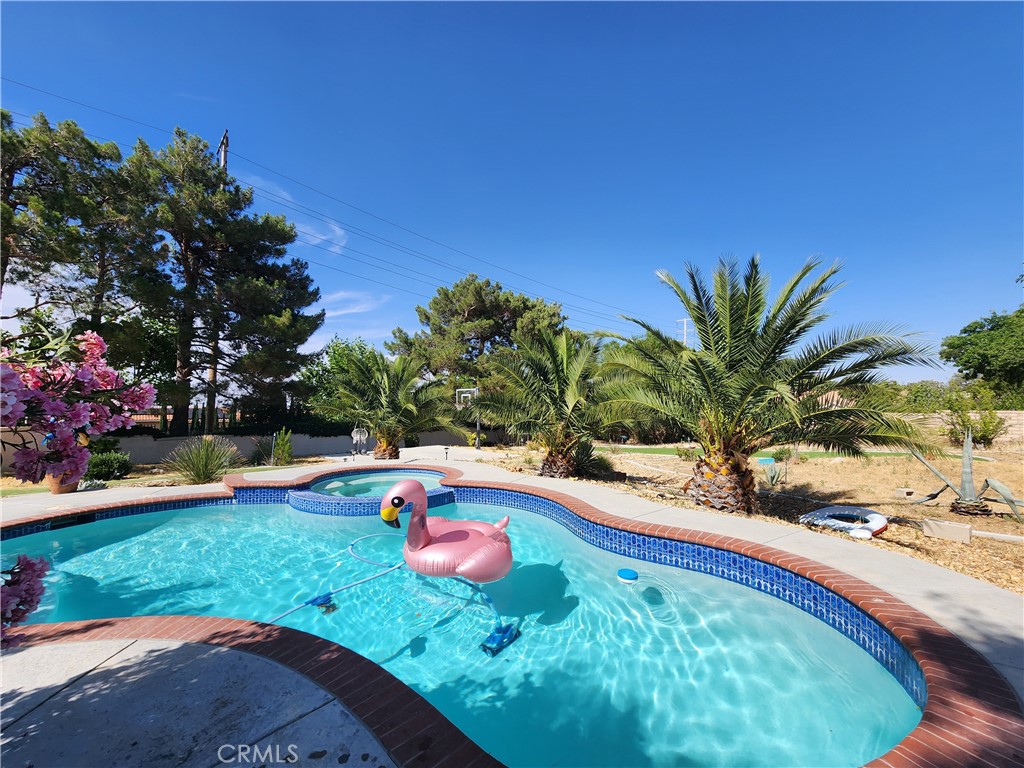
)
(372, 483)
(680, 668)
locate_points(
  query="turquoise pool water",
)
(372, 483)
(679, 669)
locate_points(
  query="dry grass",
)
(871, 483)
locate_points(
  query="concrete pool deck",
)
(988, 619)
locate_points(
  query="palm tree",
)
(755, 381)
(389, 399)
(549, 393)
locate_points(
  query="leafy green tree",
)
(550, 393)
(466, 323)
(757, 381)
(46, 186)
(264, 327)
(389, 399)
(72, 222)
(318, 377)
(218, 265)
(991, 348)
(970, 407)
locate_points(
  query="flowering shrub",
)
(20, 594)
(66, 392)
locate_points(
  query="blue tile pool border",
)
(797, 590)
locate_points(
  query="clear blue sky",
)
(570, 150)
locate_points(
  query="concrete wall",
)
(150, 450)
(146, 449)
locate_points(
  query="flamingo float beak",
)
(389, 512)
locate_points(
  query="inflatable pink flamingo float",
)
(437, 546)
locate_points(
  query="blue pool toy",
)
(627, 575)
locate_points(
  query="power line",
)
(425, 237)
(278, 200)
(363, 233)
(437, 282)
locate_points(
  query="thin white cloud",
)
(252, 180)
(323, 234)
(342, 303)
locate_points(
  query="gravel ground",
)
(871, 483)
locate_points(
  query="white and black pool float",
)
(859, 522)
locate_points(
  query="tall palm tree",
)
(549, 393)
(389, 399)
(756, 381)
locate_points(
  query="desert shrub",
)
(262, 451)
(103, 444)
(470, 435)
(686, 453)
(91, 485)
(971, 407)
(782, 455)
(283, 448)
(590, 463)
(204, 459)
(108, 466)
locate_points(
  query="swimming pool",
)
(372, 484)
(681, 668)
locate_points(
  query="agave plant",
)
(968, 501)
(756, 380)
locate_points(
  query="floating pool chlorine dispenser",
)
(627, 575)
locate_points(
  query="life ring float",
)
(859, 522)
(437, 546)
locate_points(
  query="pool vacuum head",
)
(501, 637)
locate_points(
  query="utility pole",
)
(211, 372)
(685, 321)
(222, 150)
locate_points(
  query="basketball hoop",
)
(463, 397)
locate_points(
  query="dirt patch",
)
(872, 482)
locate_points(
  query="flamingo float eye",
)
(398, 502)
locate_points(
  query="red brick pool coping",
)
(972, 717)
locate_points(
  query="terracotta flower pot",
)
(56, 486)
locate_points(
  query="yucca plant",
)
(204, 459)
(756, 381)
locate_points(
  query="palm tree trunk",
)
(386, 450)
(555, 465)
(724, 484)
